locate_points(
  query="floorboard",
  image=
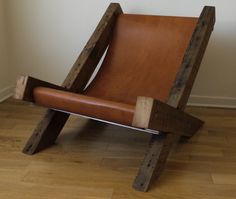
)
(92, 160)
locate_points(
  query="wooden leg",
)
(46, 132)
(154, 160)
(50, 126)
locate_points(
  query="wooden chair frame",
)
(167, 118)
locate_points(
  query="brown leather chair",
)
(144, 82)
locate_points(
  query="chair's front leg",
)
(171, 123)
(50, 126)
(46, 131)
(154, 160)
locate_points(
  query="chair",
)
(144, 82)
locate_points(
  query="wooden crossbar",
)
(26, 84)
(156, 115)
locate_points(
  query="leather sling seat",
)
(142, 59)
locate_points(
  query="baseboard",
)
(212, 101)
(6, 93)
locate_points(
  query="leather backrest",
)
(143, 58)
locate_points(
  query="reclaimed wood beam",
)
(158, 150)
(26, 84)
(156, 115)
(53, 121)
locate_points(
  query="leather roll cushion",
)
(84, 105)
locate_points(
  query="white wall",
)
(47, 35)
(5, 75)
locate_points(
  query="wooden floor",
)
(95, 161)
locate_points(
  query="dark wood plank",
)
(26, 84)
(192, 59)
(52, 122)
(93, 51)
(160, 116)
(178, 98)
(173, 120)
(154, 160)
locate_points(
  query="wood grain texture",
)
(156, 115)
(52, 122)
(26, 84)
(157, 148)
(178, 97)
(172, 120)
(93, 161)
(142, 112)
(192, 59)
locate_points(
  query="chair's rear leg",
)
(46, 131)
(154, 160)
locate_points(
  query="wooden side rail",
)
(26, 84)
(156, 115)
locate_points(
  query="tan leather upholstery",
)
(142, 60)
(84, 105)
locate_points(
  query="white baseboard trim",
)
(6, 93)
(212, 101)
